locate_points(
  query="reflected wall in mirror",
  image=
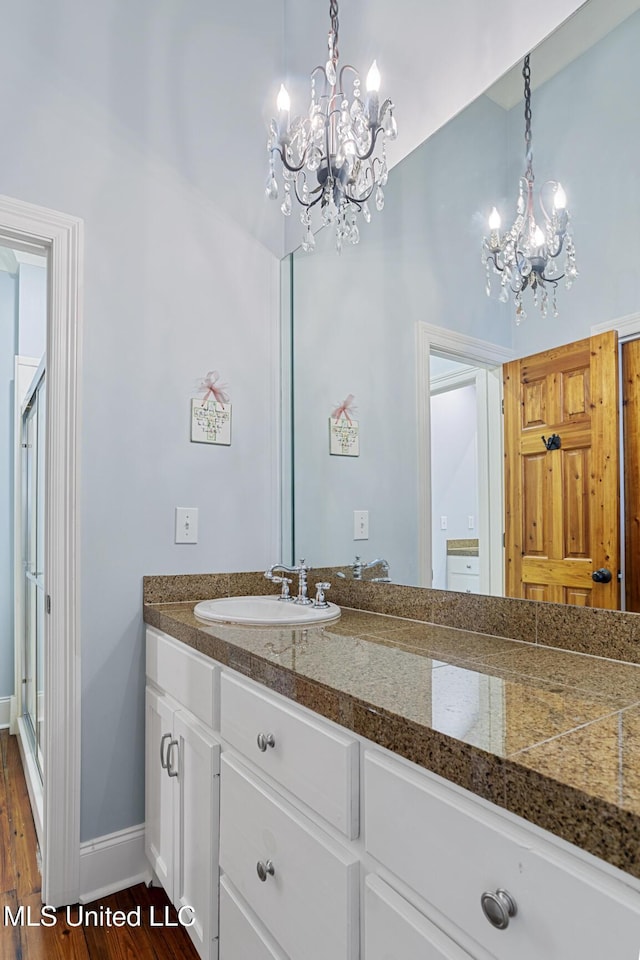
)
(363, 323)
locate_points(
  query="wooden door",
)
(631, 434)
(562, 505)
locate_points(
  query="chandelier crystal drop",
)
(526, 255)
(334, 156)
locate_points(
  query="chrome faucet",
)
(358, 567)
(302, 570)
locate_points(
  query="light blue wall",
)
(454, 473)
(127, 115)
(32, 297)
(8, 337)
(586, 135)
(354, 332)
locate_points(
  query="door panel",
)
(631, 428)
(562, 513)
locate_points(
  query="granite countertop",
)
(550, 735)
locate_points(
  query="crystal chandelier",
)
(330, 156)
(527, 254)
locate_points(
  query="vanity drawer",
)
(316, 762)
(463, 582)
(394, 929)
(310, 903)
(467, 565)
(188, 676)
(450, 850)
(241, 934)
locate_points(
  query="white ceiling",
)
(586, 26)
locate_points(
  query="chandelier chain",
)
(526, 73)
(333, 14)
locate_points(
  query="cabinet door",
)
(158, 838)
(241, 933)
(394, 930)
(308, 896)
(196, 760)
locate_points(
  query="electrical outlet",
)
(443, 523)
(472, 522)
(186, 525)
(360, 524)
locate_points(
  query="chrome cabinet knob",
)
(265, 740)
(498, 908)
(265, 869)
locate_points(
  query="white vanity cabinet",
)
(394, 930)
(302, 884)
(182, 767)
(332, 848)
(453, 852)
(463, 573)
(314, 761)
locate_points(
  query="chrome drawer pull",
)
(170, 770)
(498, 908)
(265, 740)
(163, 759)
(265, 869)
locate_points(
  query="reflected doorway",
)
(32, 573)
(23, 328)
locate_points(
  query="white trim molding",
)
(469, 350)
(5, 711)
(62, 237)
(627, 326)
(113, 862)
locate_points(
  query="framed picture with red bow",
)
(344, 431)
(211, 415)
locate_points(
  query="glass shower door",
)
(33, 437)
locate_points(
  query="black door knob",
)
(601, 576)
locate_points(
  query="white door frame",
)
(470, 350)
(62, 236)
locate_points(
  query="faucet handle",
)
(320, 600)
(285, 581)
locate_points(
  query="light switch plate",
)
(360, 524)
(186, 524)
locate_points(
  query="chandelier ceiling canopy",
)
(334, 156)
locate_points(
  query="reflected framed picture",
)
(344, 437)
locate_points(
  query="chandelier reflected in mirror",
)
(527, 255)
(333, 157)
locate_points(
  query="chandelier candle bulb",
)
(494, 221)
(373, 86)
(283, 104)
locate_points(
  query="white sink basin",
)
(262, 611)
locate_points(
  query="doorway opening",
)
(52, 700)
(23, 327)
(460, 420)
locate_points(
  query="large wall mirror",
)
(402, 323)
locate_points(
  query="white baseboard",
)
(113, 862)
(5, 712)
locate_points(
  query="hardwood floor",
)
(69, 935)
